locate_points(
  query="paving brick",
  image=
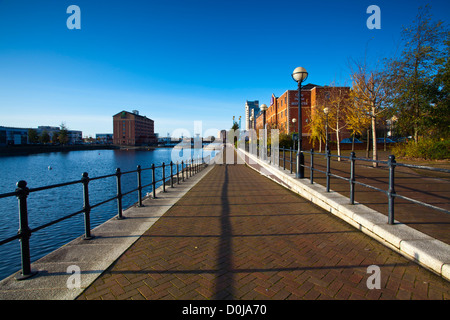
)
(238, 235)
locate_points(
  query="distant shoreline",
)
(33, 149)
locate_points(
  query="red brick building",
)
(283, 109)
(132, 129)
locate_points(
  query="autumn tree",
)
(316, 126)
(369, 93)
(358, 117)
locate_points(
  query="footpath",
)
(238, 235)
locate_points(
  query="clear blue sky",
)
(179, 61)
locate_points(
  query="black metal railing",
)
(391, 164)
(183, 170)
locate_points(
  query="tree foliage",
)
(418, 78)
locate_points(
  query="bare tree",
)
(369, 91)
(338, 104)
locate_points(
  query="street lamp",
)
(299, 75)
(294, 121)
(326, 110)
(264, 108)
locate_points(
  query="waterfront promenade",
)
(238, 235)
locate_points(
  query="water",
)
(44, 206)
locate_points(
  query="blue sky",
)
(179, 61)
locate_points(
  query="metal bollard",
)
(86, 206)
(178, 176)
(391, 190)
(171, 174)
(25, 233)
(328, 169)
(352, 178)
(153, 181)
(284, 159)
(139, 186)
(182, 170)
(164, 177)
(290, 159)
(311, 175)
(119, 194)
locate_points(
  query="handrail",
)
(188, 168)
(391, 164)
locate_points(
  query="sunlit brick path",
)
(238, 235)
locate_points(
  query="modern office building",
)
(251, 111)
(13, 136)
(133, 129)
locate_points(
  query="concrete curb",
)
(414, 245)
(92, 257)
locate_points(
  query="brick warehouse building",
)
(283, 109)
(132, 129)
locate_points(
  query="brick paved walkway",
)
(238, 235)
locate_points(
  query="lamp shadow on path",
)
(224, 282)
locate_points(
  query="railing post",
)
(178, 176)
(182, 170)
(164, 177)
(119, 194)
(86, 206)
(290, 159)
(391, 191)
(171, 174)
(311, 175)
(352, 177)
(153, 181)
(328, 155)
(139, 186)
(25, 233)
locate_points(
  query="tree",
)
(369, 92)
(33, 136)
(439, 112)
(414, 84)
(316, 125)
(44, 137)
(63, 134)
(338, 104)
(358, 117)
(235, 126)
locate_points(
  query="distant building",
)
(132, 129)
(104, 138)
(251, 110)
(74, 136)
(13, 136)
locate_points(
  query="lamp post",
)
(294, 121)
(326, 110)
(264, 108)
(299, 75)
